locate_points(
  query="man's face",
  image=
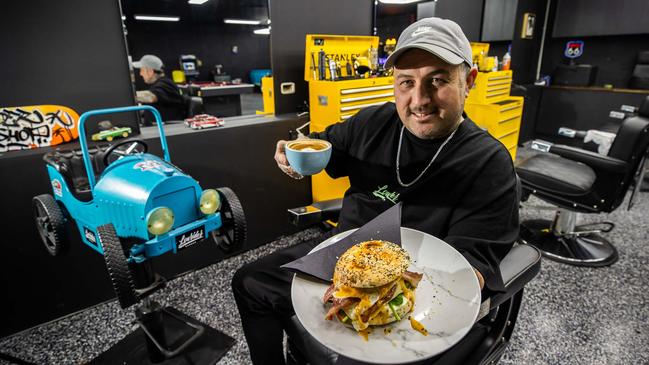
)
(148, 75)
(429, 93)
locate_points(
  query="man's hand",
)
(145, 96)
(480, 278)
(282, 162)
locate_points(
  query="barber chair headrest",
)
(643, 111)
(643, 57)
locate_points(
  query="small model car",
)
(140, 206)
(111, 133)
(202, 121)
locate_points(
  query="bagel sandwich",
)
(372, 286)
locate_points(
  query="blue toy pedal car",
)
(139, 207)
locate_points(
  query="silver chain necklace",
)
(405, 185)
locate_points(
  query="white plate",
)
(446, 303)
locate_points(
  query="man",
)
(455, 181)
(163, 94)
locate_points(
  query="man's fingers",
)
(282, 161)
(280, 153)
(288, 170)
(480, 278)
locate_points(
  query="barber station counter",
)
(38, 288)
(219, 100)
(547, 108)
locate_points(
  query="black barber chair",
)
(193, 105)
(498, 312)
(580, 181)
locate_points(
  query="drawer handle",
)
(364, 89)
(510, 108)
(508, 134)
(499, 77)
(508, 119)
(491, 95)
(361, 106)
(504, 87)
(499, 83)
(359, 98)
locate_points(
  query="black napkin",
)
(320, 264)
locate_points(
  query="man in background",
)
(163, 94)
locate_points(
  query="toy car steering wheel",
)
(124, 148)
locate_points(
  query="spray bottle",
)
(507, 59)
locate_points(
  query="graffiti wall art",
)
(36, 126)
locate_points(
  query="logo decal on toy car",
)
(148, 165)
(189, 238)
(56, 186)
(90, 235)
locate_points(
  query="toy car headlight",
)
(210, 201)
(160, 221)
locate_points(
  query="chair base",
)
(580, 250)
(208, 349)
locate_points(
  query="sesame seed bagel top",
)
(371, 264)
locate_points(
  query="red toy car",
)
(202, 121)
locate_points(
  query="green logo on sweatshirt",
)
(383, 193)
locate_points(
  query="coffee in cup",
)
(308, 156)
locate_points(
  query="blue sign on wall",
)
(574, 49)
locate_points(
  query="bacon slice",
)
(338, 304)
(379, 303)
(329, 293)
(412, 277)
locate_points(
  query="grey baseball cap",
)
(441, 37)
(149, 61)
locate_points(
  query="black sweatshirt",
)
(170, 102)
(467, 197)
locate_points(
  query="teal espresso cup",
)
(308, 156)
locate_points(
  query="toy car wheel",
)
(109, 138)
(232, 234)
(50, 223)
(124, 134)
(120, 274)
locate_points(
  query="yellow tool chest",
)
(267, 95)
(333, 101)
(491, 87)
(501, 119)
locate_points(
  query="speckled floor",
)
(570, 315)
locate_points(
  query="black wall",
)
(467, 13)
(211, 43)
(578, 18)
(70, 53)
(292, 21)
(547, 109)
(614, 56)
(498, 21)
(392, 20)
(525, 52)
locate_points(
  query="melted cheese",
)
(417, 326)
(367, 299)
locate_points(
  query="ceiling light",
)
(265, 31)
(241, 21)
(158, 18)
(399, 2)
(197, 2)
